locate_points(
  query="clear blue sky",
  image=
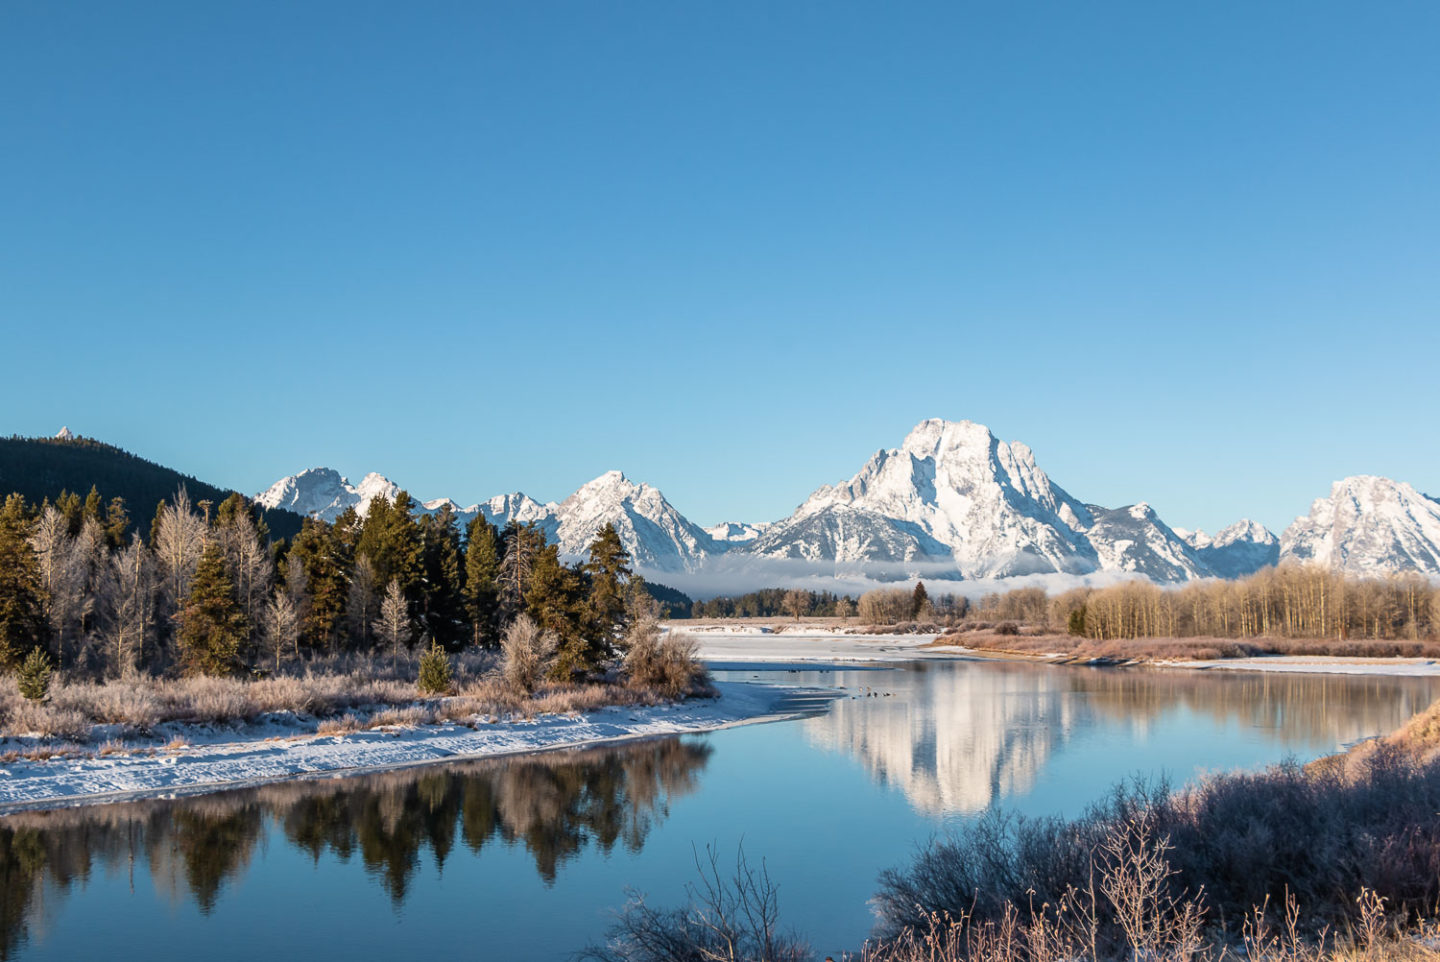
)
(1188, 253)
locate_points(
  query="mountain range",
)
(952, 501)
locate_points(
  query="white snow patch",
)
(255, 760)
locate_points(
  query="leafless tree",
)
(249, 564)
(393, 625)
(179, 542)
(282, 625)
(797, 602)
(63, 576)
(361, 604)
(126, 602)
(528, 653)
(732, 917)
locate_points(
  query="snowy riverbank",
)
(819, 647)
(216, 762)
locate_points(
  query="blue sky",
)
(1187, 253)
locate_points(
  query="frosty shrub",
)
(528, 653)
(660, 663)
(435, 675)
(33, 676)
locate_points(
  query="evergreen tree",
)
(212, 624)
(920, 601)
(442, 596)
(391, 539)
(73, 509)
(523, 543)
(22, 615)
(91, 510)
(117, 522)
(319, 553)
(482, 580)
(609, 573)
(555, 597)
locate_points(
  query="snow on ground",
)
(733, 647)
(801, 647)
(212, 764)
(1321, 663)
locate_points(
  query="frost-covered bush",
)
(528, 653)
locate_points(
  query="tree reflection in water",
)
(554, 805)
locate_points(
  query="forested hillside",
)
(41, 468)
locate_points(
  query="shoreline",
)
(217, 766)
(819, 647)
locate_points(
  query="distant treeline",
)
(880, 606)
(204, 588)
(1289, 601)
(41, 468)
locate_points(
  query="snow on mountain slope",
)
(735, 532)
(1134, 539)
(1368, 526)
(951, 487)
(317, 493)
(658, 537)
(1240, 549)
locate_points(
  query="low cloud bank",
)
(734, 575)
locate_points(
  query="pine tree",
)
(117, 522)
(442, 597)
(523, 543)
(555, 598)
(212, 625)
(482, 574)
(91, 510)
(434, 671)
(391, 539)
(920, 601)
(609, 572)
(319, 553)
(22, 617)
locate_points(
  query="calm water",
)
(526, 858)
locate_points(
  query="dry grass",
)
(339, 695)
(1030, 641)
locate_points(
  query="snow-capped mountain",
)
(735, 532)
(1135, 539)
(951, 501)
(1237, 550)
(322, 493)
(951, 490)
(1368, 526)
(658, 537)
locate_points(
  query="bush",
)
(661, 663)
(528, 653)
(33, 677)
(435, 675)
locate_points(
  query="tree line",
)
(880, 606)
(1288, 601)
(206, 589)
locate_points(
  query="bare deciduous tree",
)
(393, 625)
(179, 542)
(282, 625)
(126, 602)
(528, 653)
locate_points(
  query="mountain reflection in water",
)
(554, 805)
(957, 741)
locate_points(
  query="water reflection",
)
(957, 739)
(553, 805)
